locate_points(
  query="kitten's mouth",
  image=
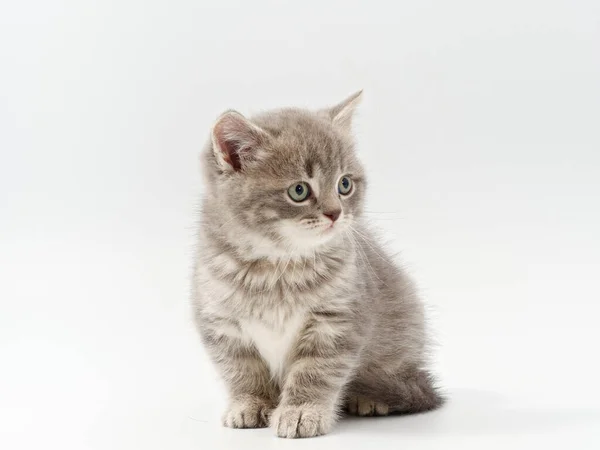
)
(329, 228)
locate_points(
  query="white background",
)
(480, 128)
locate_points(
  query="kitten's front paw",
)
(248, 412)
(302, 421)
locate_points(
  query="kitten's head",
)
(284, 181)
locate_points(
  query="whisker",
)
(365, 259)
(366, 240)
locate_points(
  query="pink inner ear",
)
(231, 150)
(231, 147)
(237, 139)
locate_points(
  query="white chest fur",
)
(273, 341)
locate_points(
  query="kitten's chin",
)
(310, 239)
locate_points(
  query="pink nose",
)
(333, 215)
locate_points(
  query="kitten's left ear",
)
(342, 113)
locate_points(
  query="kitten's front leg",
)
(321, 362)
(252, 394)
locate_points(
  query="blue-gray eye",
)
(345, 185)
(299, 191)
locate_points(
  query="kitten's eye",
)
(345, 186)
(299, 191)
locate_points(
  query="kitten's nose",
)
(333, 215)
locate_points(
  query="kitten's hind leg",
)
(359, 405)
(411, 391)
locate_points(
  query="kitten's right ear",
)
(235, 140)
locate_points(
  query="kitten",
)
(301, 310)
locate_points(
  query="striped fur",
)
(303, 318)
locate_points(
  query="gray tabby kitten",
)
(301, 310)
